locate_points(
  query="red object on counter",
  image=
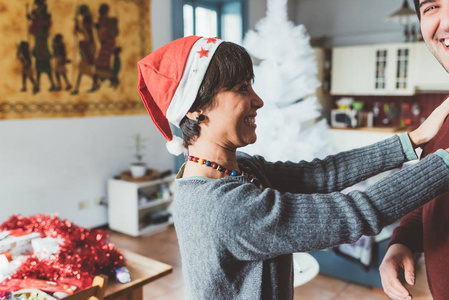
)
(84, 254)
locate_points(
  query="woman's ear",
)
(193, 115)
(196, 116)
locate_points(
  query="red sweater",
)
(427, 229)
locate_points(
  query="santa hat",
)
(169, 80)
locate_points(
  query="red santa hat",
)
(169, 80)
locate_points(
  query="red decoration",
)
(212, 40)
(203, 53)
(84, 254)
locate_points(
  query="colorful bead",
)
(222, 169)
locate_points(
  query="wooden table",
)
(143, 270)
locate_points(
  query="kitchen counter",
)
(343, 139)
(376, 129)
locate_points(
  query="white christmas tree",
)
(285, 79)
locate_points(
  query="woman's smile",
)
(251, 120)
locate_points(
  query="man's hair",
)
(417, 9)
(230, 65)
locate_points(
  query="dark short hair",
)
(230, 65)
(417, 9)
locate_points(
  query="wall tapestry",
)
(72, 58)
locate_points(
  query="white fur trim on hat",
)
(197, 63)
(175, 146)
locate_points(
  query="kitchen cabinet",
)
(352, 70)
(140, 208)
(428, 73)
(392, 69)
(386, 69)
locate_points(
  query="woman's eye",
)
(243, 87)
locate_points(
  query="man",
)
(426, 229)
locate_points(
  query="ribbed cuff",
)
(444, 155)
(407, 146)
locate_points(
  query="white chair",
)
(305, 268)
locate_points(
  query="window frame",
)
(216, 5)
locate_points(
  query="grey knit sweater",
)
(236, 241)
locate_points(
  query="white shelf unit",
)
(130, 205)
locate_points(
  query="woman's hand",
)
(397, 258)
(430, 126)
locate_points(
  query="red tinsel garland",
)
(84, 254)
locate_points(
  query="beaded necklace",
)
(222, 169)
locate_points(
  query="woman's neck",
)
(212, 152)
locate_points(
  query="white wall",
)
(351, 22)
(258, 9)
(50, 165)
(161, 24)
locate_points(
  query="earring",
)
(200, 119)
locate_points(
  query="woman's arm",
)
(336, 172)
(262, 225)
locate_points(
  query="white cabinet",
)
(386, 69)
(428, 74)
(352, 70)
(372, 70)
(140, 208)
(392, 63)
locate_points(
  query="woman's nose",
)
(257, 101)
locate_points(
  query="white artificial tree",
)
(285, 78)
(289, 125)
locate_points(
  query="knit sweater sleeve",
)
(256, 224)
(336, 172)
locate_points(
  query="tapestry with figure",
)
(72, 58)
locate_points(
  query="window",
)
(232, 25)
(205, 21)
(223, 18)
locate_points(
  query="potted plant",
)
(138, 168)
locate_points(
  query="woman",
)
(238, 217)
